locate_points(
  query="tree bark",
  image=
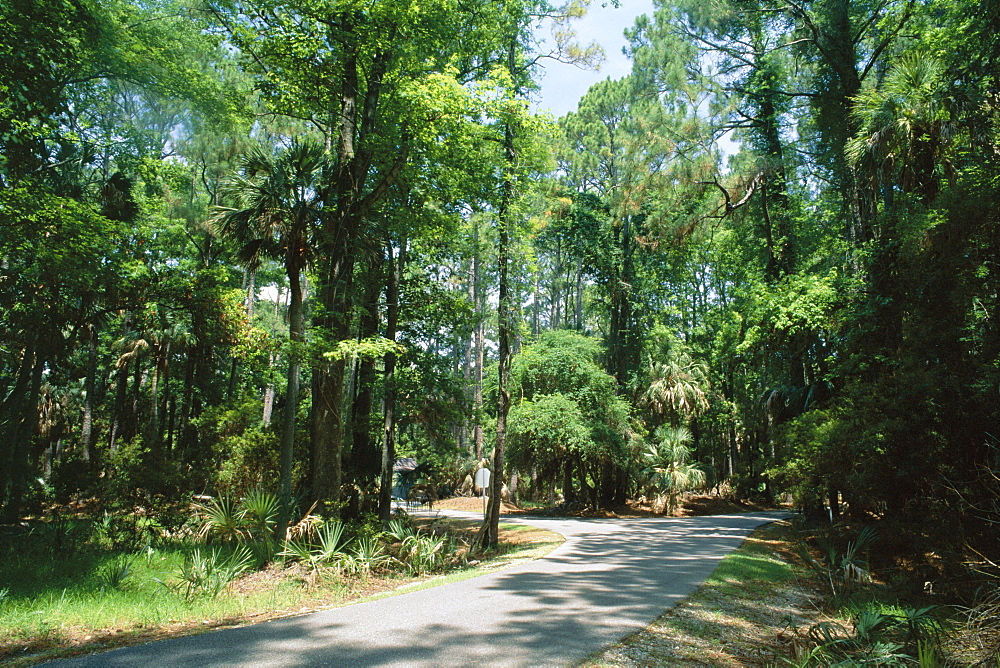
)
(90, 389)
(389, 417)
(18, 416)
(286, 457)
(488, 534)
(365, 459)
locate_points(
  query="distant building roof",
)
(405, 464)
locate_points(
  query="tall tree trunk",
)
(269, 391)
(488, 535)
(468, 352)
(365, 459)
(90, 390)
(578, 310)
(18, 417)
(328, 390)
(479, 299)
(296, 337)
(394, 277)
(153, 432)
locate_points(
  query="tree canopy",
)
(282, 243)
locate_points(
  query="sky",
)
(563, 85)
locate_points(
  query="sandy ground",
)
(694, 505)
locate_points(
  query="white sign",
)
(482, 479)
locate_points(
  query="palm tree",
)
(904, 129)
(668, 468)
(277, 207)
(677, 387)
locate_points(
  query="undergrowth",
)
(73, 584)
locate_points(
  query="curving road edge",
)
(610, 578)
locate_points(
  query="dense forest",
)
(283, 243)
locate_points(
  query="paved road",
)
(610, 578)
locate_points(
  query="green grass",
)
(515, 528)
(728, 620)
(70, 597)
(753, 562)
(53, 599)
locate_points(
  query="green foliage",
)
(246, 453)
(222, 518)
(114, 574)
(544, 433)
(260, 510)
(326, 544)
(667, 466)
(251, 519)
(374, 347)
(564, 362)
(367, 556)
(136, 476)
(129, 529)
(426, 552)
(841, 570)
(209, 573)
(569, 416)
(881, 635)
(678, 385)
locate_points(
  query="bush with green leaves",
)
(251, 518)
(366, 556)
(63, 535)
(325, 545)
(115, 573)
(543, 433)
(567, 416)
(425, 552)
(208, 572)
(136, 477)
(840, 570)
(880, 635)
(247, 452)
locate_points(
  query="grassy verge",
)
(744, 615)
(56, 605)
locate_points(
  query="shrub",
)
(209, 573)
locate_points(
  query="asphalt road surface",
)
(610, 578)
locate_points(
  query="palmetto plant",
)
(208, 573)
(881, 636)
(114, 574)
(221, 518)
(904, 128)
(367, 556)
(840, 570)
(259, 512)
(677, 387)
(326, 545)
(252, 518)
(400, 530)
(423, 554)
(668, 467)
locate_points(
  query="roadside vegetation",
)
(808, 596)
(291, 245)
(76, 584)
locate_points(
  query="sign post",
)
(482, 481)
